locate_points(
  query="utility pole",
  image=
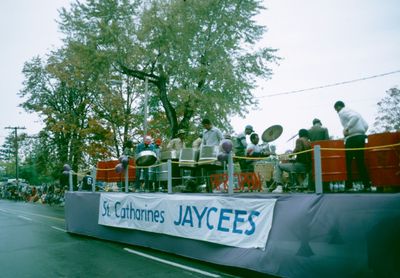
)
(146, 100)
(15, 128)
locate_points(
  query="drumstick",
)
(291, 138)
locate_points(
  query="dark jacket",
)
(303, 144)
(317, 133)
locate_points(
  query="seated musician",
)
(302, 163)
(255, 150)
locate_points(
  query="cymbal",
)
(272, 133)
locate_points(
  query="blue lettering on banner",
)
(253, 225)
(200, 216)
(226, 218)
(188, 217)
(132, 213)
(222, 217)
(246, 223)
(238, 219)
(106, 209)
(208, 217)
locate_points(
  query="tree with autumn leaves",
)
(200, 59)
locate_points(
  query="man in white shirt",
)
(212, 136)
(354, 129)
(178, 143)
(255, 150)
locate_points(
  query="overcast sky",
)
(321, 42)
(27, 28)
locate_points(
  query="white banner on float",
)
(239, 222)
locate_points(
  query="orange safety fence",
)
(106, 171)
(249, 179)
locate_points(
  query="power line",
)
(330, 85)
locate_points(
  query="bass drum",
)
(146, 158)
(265, 171)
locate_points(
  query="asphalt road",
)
(34, 243)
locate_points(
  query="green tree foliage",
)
(199, 56)
(7, 155)
(100, 29)
(37, 162)
(41, 163)
(81, 111)
(7, 150)
(388, 119)
(16, 146)
(60, 93)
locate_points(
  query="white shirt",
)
(196, 143)
(353, 122)
(242, 138)
(176, 144)
(252, 149)
(212, 137)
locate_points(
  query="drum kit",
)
(265, 168)
(272, 133)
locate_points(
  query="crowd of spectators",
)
(44, 194)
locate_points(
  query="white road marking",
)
(59, 229)
(171, 263)
(35, 214)
(26, 218)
